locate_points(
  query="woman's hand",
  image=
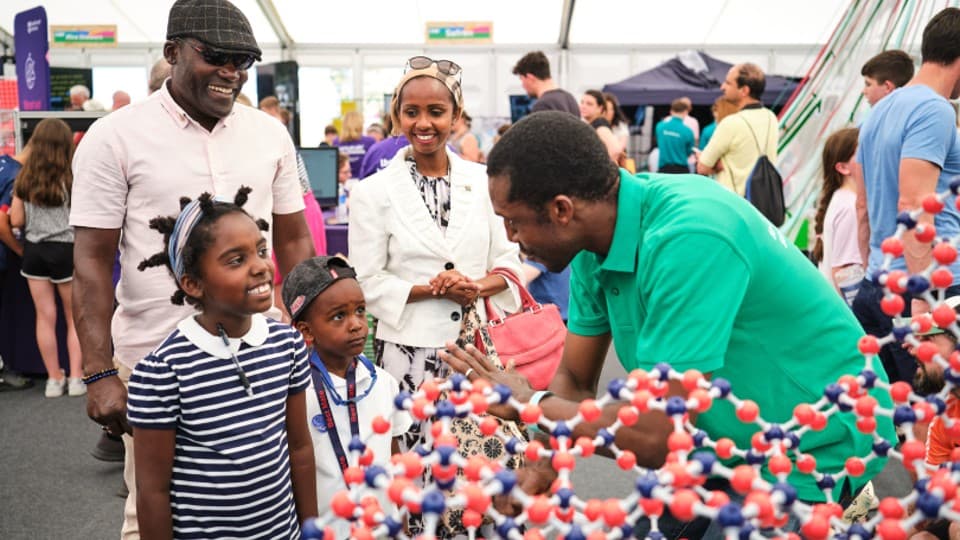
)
(446, 279)
(463, 293)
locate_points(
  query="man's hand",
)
(534, 479)
(474, 364)
(107, 405)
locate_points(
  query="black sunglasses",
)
(446, 67)
(239, 60)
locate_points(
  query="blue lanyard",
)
(318, 365)
(325, 421)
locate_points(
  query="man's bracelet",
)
(539, 396)
(102, 374)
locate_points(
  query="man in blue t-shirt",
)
(909, 149)
(675, 140)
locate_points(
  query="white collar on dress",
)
(213, 345)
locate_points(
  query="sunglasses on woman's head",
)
(446, 67)
(239, 60)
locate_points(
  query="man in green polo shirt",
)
(676, 269)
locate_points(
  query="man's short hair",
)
(80, 90)
(330, 130)
(751, 76)
(534, 63)
(894, 65)
(679, 105)
(941, 38)
(269, 102)
(158, 73)
(571, 160)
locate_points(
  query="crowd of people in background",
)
(433, 217)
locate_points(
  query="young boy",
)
(884, 73)
(326, 305)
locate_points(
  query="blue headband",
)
(186, 221)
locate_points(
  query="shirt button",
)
(448, 266)
(455, 316)
(615, 291)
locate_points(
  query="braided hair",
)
(199, 240)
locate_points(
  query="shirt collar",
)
(179, 116)
(622, 256)
(213, 345)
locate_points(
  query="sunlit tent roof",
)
(308, 23)
(696, 75)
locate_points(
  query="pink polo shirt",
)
(136, 163)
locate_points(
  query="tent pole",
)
(566, 17)
(276, 23)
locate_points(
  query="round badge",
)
(320, 423)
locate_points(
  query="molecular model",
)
(693, 456)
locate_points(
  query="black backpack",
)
(765, 186)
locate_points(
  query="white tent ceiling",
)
(317, 24)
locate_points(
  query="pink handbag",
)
(532, 339)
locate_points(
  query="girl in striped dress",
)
(218, 409)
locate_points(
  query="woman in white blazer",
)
(423, 236)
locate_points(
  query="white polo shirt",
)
(379, 402)
(134, 165)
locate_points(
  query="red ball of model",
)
(944, 253)
(892, 246)
(932, 204)
(941, 278)
(891, 529)
(868, 345)
(613, 513)
(855, 466)
(341, 505)
(627, 460)
(780, 464)
(944, 315)
(892, 304)
(682, 506)
(896, 280)
(471, 519)
(539, 510)
(925, 232)
(900, 391)
(748, 411)
(742, 479)
(590, 410)
(380, 425)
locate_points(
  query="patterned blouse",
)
(435, 191)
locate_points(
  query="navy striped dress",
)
(231, 466)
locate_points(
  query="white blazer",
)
(394, 245)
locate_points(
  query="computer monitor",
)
(322, 169)
(520, 105)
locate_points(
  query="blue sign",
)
(33, 70)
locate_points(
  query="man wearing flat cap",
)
(136, 163)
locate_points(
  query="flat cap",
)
(217, 23)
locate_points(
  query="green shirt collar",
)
(622, 256)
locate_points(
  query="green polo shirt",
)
(697, 278)
(675, 141)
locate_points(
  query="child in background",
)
(218, 409)
(836, 250)
(327, 306)
(41, 207)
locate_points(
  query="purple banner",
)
(30, 38)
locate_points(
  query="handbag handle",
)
(527, 301)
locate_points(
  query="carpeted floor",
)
(51, 488)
